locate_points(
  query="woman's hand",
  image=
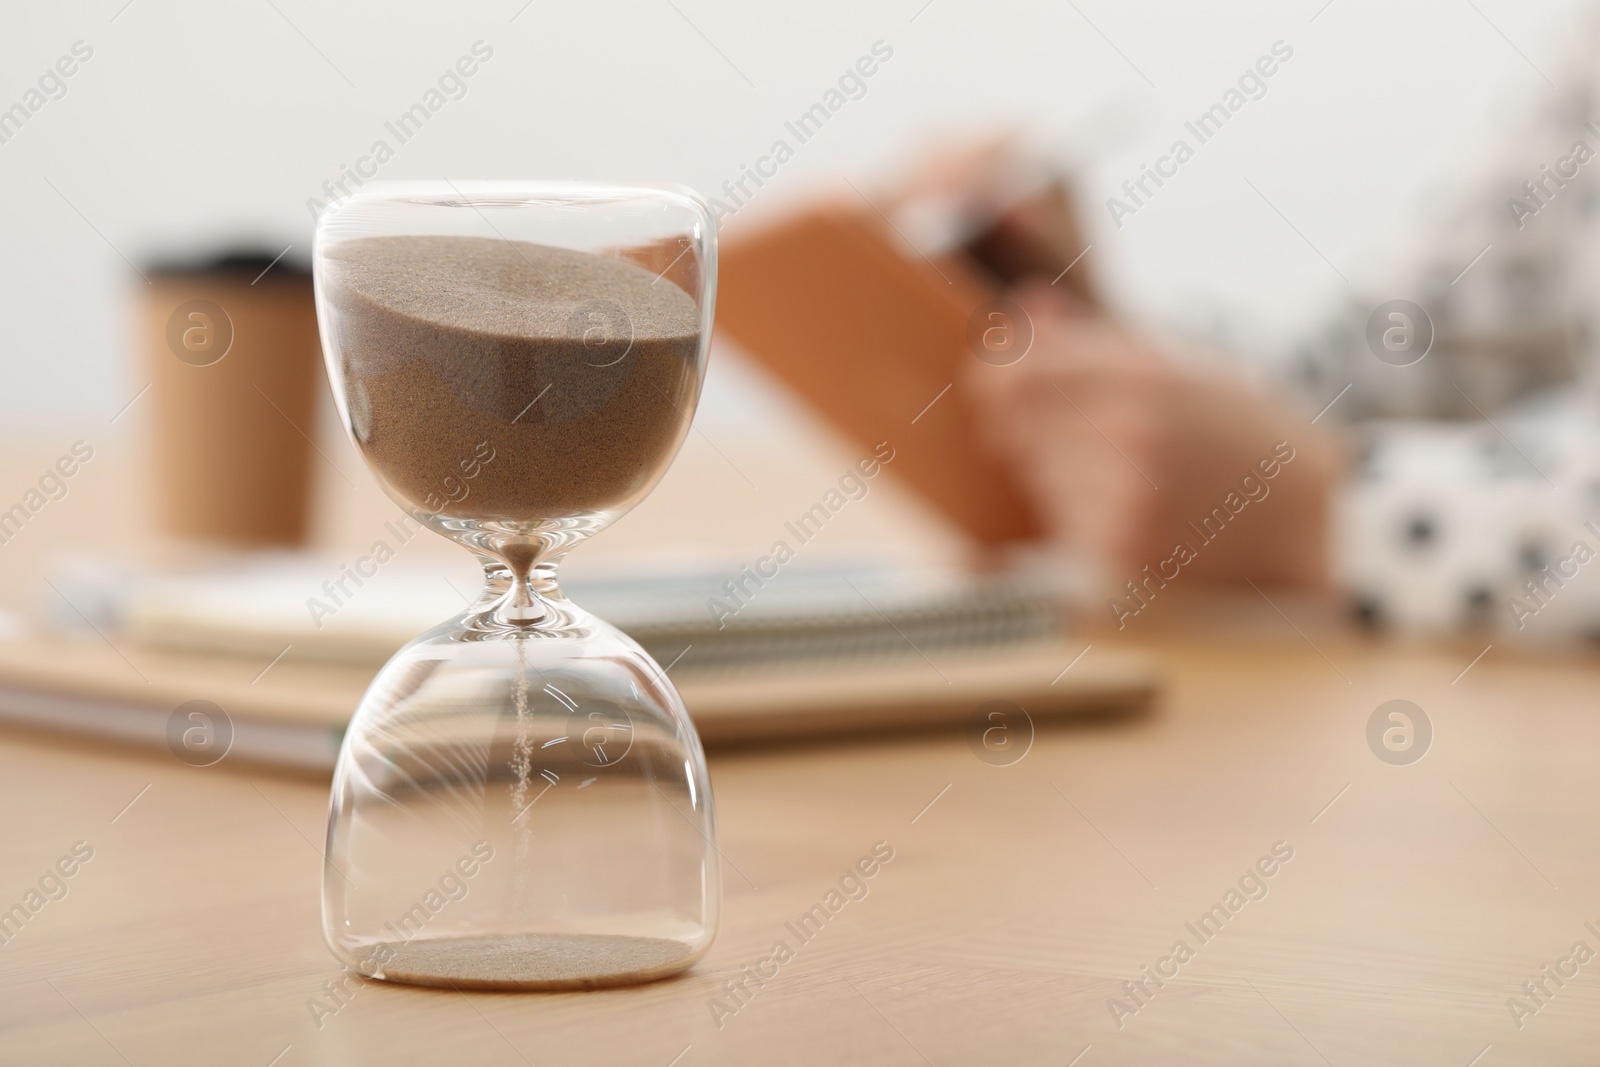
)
(1131, 458)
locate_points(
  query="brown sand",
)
(536, 961)
(576, 369)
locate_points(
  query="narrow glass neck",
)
(520, 592)
(515, 600)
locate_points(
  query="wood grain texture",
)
(1018, 900)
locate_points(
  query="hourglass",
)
(521, 801)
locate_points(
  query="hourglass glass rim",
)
(534, 193)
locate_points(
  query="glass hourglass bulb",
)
(521, 800)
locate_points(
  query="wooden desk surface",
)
(1418, 900)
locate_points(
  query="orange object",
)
(874, 337)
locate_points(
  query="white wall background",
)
(198, 120)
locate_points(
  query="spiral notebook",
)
(696, 618)
(830, 652)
